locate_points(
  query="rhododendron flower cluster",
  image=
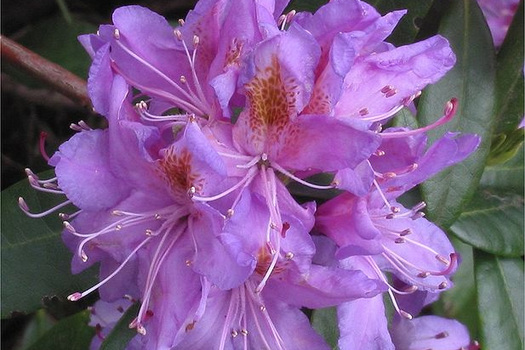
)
(184, 202)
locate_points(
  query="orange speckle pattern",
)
(177, 171)
(272, 102)
(264, 259)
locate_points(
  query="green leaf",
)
(507, 176)
(500, 301)
(509, 77)
(121, 334)
(324, 321)
(405, 118)
(409, 25)
(69, 333)
(305, 5)
(40, 323)
(35, 262)
(493, 220)
(471, 81)
(460, 302)
(505, 146)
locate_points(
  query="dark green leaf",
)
(500, 301)
(40, 323)
(507, 176)
(324, 322)
(405, 118)
(121, 333)
(460, 302)
(69, 333)
(509, 78)
(493, 221)
(472, 82)
(409, 25)
(306, 5)
(504, 146)
(35, 262)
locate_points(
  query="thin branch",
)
(47, 72)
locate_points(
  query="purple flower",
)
(499, 15)
(183, 198)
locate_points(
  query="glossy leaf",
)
(409, 25)
(509, 77)
(500, 301)
(69, 333)
(35, 262)
(121, 333)
(471, 81)
(493, 221)
(324, 322)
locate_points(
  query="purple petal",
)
(429, 332)
(356, 181)
(379, 83)
(84, 173)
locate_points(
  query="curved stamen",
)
(78, 295)
(25, 208)
(245, 181)
(142, 108)
(42, 145)
(303, 182)
(450, 111)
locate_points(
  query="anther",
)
(289, 256)
(69, 227)
(395, 210)
(196, 40)
(181, 22)
(22, 204)
(116, 34)
(386, 89)
(63, 216)
(391, 93)
(262, 308)
(405, 314)
(424, 274)
(443, 285)
(441, 335)
(379, 153)
(363, 111)
(400, 240)
(389, 175)
(141, 330)
(178, 34)
(191, 191)
(149, 232)
(188, 262)
(118, 227)
(234, 333)
(229, 213)
(75, 296)
(83, 256)
(244, 332)
(183, 79)
(117, 213)
(406, 232)
(157, 216)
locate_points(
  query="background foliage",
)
(479, 202)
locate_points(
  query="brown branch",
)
(49, 73)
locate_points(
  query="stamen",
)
(42, 145)
(25, 208)
(78, 295)
(295, 178)
(245, 181)
(449, 112)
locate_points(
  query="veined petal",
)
(429, 332)
(84, 173)
(345, 219)
(278, 82)
(324, 143)
(378, 83)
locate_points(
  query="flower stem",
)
(46, 71)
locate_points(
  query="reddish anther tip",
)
(75, 296)
(42, 144)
